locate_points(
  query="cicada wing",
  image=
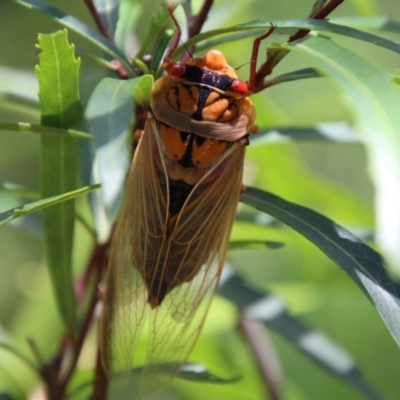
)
(142, 215)
(196, 248)
(200, 240)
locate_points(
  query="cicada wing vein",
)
(200, 238)
(125, 301)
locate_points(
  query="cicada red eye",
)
(177, 70)
(240, 87)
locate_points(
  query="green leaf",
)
(22, 127)
(382, 23)
(375, 100)
(129, 13)
(154, 31)
(108, 12)
(17, 212)
(263, 244)
(109, 115)
(7, 343)
(364, 265)
(272, 312)
(142, 90)
(305, 73)
(193, 372)
(79, 28)
(288, 26)
(57, 74)
(18, 190)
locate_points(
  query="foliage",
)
(337, 109)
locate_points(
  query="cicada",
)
(180, 200)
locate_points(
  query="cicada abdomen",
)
(180, 201)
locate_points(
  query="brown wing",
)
(190, 250)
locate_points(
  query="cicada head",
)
(205, 97)
(211, 69)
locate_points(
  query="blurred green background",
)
(330, 178)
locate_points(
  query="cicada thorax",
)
(201, 119)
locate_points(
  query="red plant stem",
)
(321, 14)
(267, 67)
(95, 268)
(116, 65)
(195, 24)
(254, 55)
(96, 17)
(265, 356)
(100, 383)
(176, 38)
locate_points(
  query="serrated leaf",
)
(109, 115)
(375, 101)
(22, 127)
(79, 28)
(364, 265)
(57, 74)
(17, 212)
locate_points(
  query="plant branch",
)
(265, 355)
(268, 66)
(97, 19)
(116, 65)
(195, 23)
(94, 270)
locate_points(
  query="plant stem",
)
(265, 355)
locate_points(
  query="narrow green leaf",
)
(7, 343)
(57, 74)
(305, 73)
(375, 100)
(22, 127)
(383, 23)
(364, 265)
(18, 190)
(79, 28)
(263, 244)
(17, 212)
(288, 26)
(154, 31)
(192, 372)
(272, 312)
